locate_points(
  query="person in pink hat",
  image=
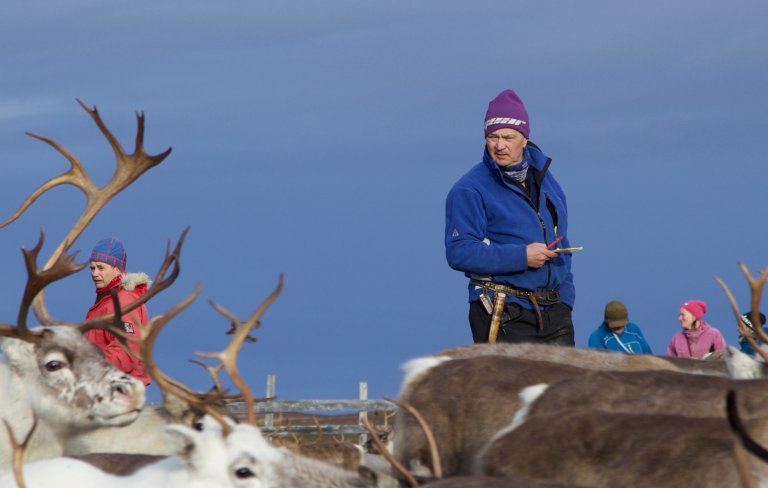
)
(698, 339)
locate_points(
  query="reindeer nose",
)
(129, 388)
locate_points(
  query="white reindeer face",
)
(71, 386)
(212, 460)
(250, 461)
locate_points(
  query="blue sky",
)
(319, 139)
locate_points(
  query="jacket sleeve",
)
(466, 246)
(132, 323)
(595, 341)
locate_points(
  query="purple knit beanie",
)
(507, 110)
(110, 251)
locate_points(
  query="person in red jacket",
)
(107, 263)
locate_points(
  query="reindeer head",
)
(69, 383)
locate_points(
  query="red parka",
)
(130, 287)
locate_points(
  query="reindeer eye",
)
(199, 426)
(54, 365)
(242, 473)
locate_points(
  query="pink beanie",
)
(507, 110)
(696, 307)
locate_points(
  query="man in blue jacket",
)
(506, 220)
(617, 333)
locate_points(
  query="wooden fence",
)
(312, 417)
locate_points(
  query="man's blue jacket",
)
(489, 222)
(631, 337)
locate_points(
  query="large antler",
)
(756, 292)
(129, 168)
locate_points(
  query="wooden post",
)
(269, 419)
(363, 415)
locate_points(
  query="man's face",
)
(102, 273)
(617, 329)
(505, 146)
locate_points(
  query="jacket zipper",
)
(544, 232)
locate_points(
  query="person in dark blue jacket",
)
(744, 345)
(617, 333)
(506, 223)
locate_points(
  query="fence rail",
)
(326, 408)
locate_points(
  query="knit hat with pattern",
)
(110, 251)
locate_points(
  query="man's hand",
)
(538, 254)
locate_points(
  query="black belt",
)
(544, 297)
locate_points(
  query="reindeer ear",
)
(184, 442)
(18, 352)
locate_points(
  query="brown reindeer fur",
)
(651, 392)
(599, 449)
(120, 464)
(491, 482)
(465, 402)
(344, 455)
(469, 393)
(713, 365)
(585, 358)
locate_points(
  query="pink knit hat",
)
(697, 308)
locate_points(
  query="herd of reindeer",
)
(485, 415)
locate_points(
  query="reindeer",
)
(483, 381)
(202, 459)
(447, 392)
(52, 371)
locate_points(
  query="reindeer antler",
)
(756, 292)
(168, 385)
(228, 356)
(129, 168)
(19, 450)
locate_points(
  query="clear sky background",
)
(319, 139)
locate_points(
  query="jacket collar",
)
(539, 165)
